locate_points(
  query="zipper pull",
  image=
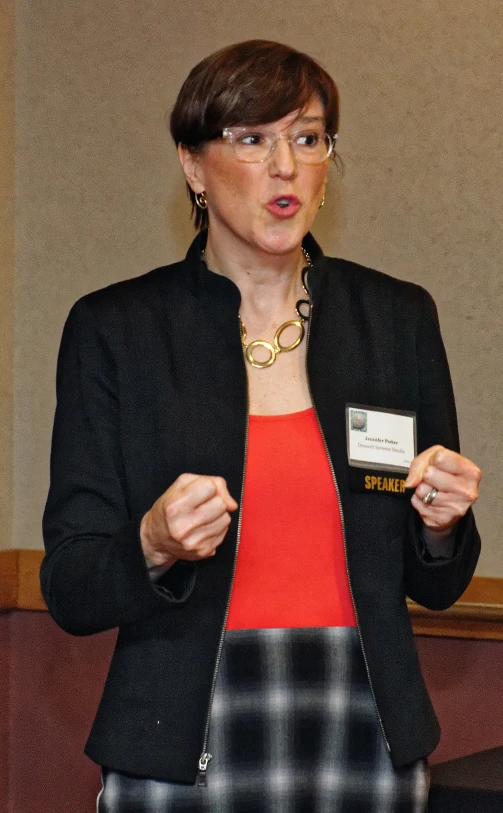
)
(203, 764)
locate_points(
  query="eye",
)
(251, 139)
(308, 139)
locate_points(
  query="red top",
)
(291, 569)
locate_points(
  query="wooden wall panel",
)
(56, 681)
(478, 613)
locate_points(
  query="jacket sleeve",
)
(437, 583)
(94, 575)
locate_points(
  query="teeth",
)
(283, 203)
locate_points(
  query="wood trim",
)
(19, 580)
(478, 613)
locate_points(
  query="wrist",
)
(153, 558)
(439, 544)
(438, 534)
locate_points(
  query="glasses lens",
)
(251, 146)
(311, 147)
(254, 146)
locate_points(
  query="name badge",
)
(381, 444)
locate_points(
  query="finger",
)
(435, 515)
(206, 537)
(208, 511)
(457, 485)
(418, 496)
(182, 522)
(442, 515)
(443, 502)
(190, 489)
(443, 498)
(222, 489)
(455, 463)
(423, 490)
(198, 491)
(179, 503)
(419, 465)
(185, 478)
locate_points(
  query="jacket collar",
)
(201, 279)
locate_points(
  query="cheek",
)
(232, 189)
(316, 181)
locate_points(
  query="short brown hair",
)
(253, 82)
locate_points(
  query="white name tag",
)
(380, 438)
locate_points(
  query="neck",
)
(266, 281)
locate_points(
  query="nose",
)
(282, 161)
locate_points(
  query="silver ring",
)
(430, 496)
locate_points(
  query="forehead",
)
(313, 113)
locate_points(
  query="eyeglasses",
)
(253, 146)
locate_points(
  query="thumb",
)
(419, 466)
(223, 492)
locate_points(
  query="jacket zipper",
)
(343, 532)
(205, 755)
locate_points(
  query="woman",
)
(285, 677)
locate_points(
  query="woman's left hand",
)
(456, 480)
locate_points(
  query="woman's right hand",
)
(188, 521)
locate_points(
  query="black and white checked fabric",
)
(293, 730)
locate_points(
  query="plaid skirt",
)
(293, 729)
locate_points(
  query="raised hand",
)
(450, 480)
(189, 521)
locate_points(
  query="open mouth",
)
(284, 205)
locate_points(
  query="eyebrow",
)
(301, 120)
(310, 119)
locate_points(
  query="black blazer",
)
(151, 383)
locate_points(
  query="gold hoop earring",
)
(322, 201)
(201, 200)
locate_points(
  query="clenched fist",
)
(455, 480)
(188, 521)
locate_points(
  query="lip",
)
(285, 211)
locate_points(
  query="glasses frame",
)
(230, 134)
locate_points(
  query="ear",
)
(325, 181)
(192, 169)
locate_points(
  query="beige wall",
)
(7, 142)
(100, 197)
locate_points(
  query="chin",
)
(281, 240)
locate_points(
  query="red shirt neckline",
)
(283, 416)
(291, 567)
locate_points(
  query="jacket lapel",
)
(350, 353)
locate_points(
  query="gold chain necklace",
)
(277, 347)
